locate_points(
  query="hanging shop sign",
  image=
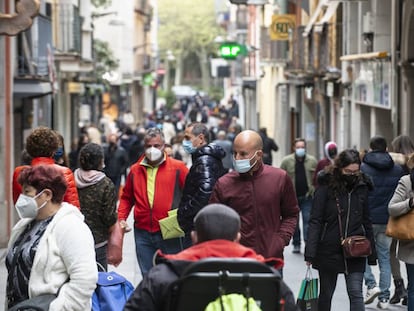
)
(281, 26)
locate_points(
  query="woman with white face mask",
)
(51, 249)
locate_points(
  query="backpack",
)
(233, 302)
(112, 292)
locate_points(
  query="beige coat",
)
(399, 206)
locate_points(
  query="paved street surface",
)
(294, 272)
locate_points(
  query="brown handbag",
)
(353, 246)
(401, 227)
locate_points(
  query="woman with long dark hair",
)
(343, 193)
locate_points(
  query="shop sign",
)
(281, 25)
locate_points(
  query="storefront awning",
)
(31, 88)
(330, 8)
(361, 56)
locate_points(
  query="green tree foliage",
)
(189, 26)
(105, 59)
(101, 3)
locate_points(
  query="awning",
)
(31, 88)
(361, 56)
(330, 6)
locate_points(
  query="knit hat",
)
(331, 150)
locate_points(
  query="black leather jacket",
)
(207, 168)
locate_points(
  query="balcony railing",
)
(32, 48)
(271, 50)
(143, 63)
(70, 35)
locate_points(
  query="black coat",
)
(323, 247)
(152, 294)
(207, 168)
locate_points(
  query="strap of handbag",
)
(341, 230)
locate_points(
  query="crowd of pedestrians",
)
(192, 156)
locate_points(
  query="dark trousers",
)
(353, 281)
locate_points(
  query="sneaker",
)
(371, 294)
(296, 249)
(382, 304)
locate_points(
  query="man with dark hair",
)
(269, 145)
(301, 166)
(378, 164)
(206, 169)
(216, 234)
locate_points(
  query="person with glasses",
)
(263, 196)
(385, 174)
(342, 192)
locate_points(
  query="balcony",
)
(271, 50)
(142, 64)
(32, 48)
(69, 30)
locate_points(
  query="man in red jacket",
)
(151, 188)
(263, 196)
(216, 234)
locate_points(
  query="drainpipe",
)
(395, 72)
(8, 126)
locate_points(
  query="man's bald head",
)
(251, 138)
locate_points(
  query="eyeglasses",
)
(350, 172)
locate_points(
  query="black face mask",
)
(350, 180)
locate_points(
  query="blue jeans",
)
(410, 286)
(305, 205)
(147, 243)
(353, 281)
(382, 244)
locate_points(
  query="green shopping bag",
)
(308, 293)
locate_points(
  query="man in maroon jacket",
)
(263, 196)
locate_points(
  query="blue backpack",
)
(112, 292)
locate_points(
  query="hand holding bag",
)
(401, 227)
(115, 243)
(308, 293)
(352, 246)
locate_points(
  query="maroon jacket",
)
(267, 205)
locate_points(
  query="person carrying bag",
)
(308, 293)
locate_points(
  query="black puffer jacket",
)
(207, 168)
(323, 247)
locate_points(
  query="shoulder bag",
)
(355, 245)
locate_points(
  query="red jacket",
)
(135, 193)
(71, 195)
(220, 249)
(267, 205)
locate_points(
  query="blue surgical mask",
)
(300, 152)
(188, 146)
(243, 166)
(58, 153)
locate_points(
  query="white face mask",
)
(27, 206)
(153, 154)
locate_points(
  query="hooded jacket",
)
(71, 195)
(65, 259)
(385, 176)
(151, 294)
(98, 199)
(207, 168)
